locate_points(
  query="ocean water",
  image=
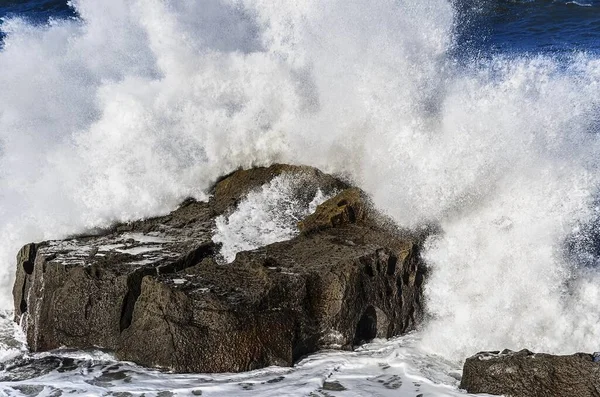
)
(533, 26)
(479, 116)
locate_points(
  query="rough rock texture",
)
(526, 374)
(348, 207)
(155, 292)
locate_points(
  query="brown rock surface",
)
(527, 374)
(155, 292)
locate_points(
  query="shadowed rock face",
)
(154, 292)
(526, 374)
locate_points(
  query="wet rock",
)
(24, 368)
(155, 292)
(527, 374)
(25, 264)
(347, 208)
(275, 380)
(30, 390)
(333, 386)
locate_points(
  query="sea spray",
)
(266, 216)
(138, 104)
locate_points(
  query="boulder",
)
(156, 292)
(527, 374)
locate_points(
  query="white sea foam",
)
(141, 103)
(579, 4)
(265, 216)
(394, 368)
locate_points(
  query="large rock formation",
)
(526, 374)
(155, 291)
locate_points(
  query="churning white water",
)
(264, 217)
(393, 368)
(126, 111)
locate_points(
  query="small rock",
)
(333, 386)
(527, 374)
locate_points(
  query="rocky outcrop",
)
(527, 374)
(156, 292)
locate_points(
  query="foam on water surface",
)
(383, 368)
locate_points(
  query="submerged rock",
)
(156, 292)
(527, 374)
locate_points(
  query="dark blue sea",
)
(36, 11)
(485, 26)
(548, 26)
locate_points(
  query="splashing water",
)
(383, 368)
(122, 113)
(264, 217)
